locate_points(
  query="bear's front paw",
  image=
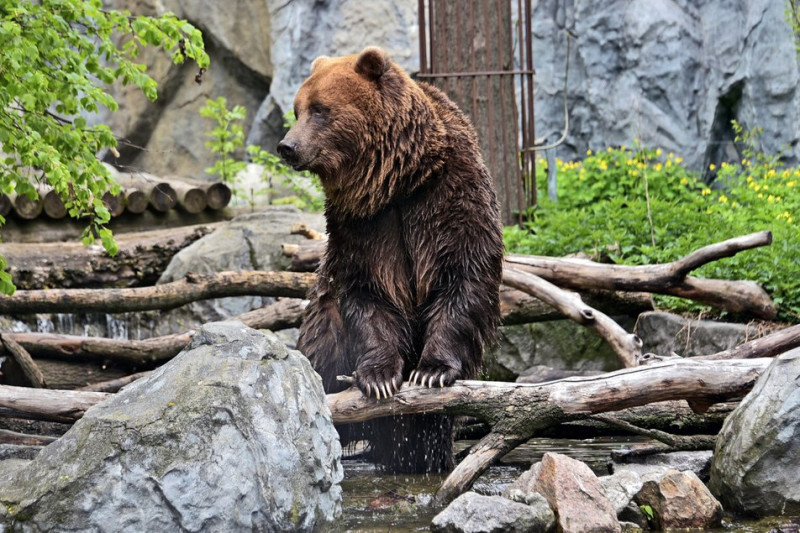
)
(379, 382)
(433, 375)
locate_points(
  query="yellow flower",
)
(724, 165)
(670, 155)
(706, 192)
(765, 187)
(678, 160)
(712, 167)
(761, 195)
(750, 179)
(723, 199)
(785, 173)
(791, 184)
(734, 204)
(603, 165)
(588, 152)
(657, 167)
(658, 152)
(668, 163)
(684, 181)
(771, 173)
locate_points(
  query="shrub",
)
(640, 206)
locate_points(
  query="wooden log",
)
(628, 347)
(115, 203)
(52, 203)
(148, 352)
(190, 197)
(518, 411)
(23, 439)
(160, 194)
(24, 207)
(141, 259)
(739, 297)
(53, 405)
(114, 385)
(218, 195)
(25, 362)
(135, 200)
(192, 288)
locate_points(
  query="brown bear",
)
(408, 288)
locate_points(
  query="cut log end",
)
(218, 196)
(163, 197)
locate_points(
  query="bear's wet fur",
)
(408, 287)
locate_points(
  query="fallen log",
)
(190, 197)
(141, 259)
(740, 297)
(24, 207)
(192, 288)
(148, 352)
(5, 204)
(628, 347)
(26, 363)
(515, 411)
(52, 203)
(518, 307)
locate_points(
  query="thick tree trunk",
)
(141, 259)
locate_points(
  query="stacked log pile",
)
(139, 191)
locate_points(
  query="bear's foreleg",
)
(379, 337)
(323, 337)
(459, 321)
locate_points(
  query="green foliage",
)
(227, 138)
(603, 210)
(56, 57)
(647, 511)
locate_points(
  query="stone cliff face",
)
(670, 74)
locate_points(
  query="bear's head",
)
(366, 129)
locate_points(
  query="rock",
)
(620, 488)
(233, 434)
(559, 344)
(632, 514)
(680, 500)
(756, 464)
(698, 462)
(249, 242)
(170, 130)
(475, 513)
(573, 492)
(665, 333)
(683, 69)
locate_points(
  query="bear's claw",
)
(441, 376)
(374, 384)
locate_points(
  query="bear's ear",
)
(372, 62)
(318, 62)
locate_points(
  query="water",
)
(375, 502)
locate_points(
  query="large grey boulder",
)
(476, 513)
(232, 435)
(756, 464)
(664, 333)
(249, 242)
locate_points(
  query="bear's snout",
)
(287, 149)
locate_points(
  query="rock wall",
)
(671, 74)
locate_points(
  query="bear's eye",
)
(316, 110)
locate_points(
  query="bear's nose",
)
(287, 150)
